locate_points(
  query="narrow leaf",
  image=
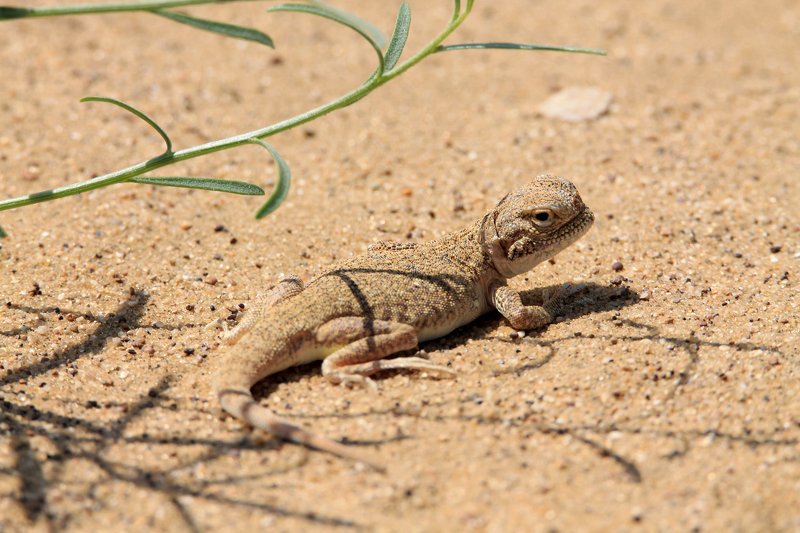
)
(229, 30)
(373, 30)
(10, 12)
(518, 46)
(281, 189)
(208, 184)
(399, 37)
(136, 112)
(456, 9)
(3, 234)
(342, 17)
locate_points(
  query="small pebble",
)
(32, 172)
(616, 266)
(36, 290)
(185, 226)
(211, 280)
(775, 248)
(577, 104)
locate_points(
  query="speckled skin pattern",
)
(396, 295)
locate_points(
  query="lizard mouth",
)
(549, 245)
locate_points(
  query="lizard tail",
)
(240, 403)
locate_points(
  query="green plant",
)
(388, 67)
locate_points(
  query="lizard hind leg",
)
(364, 344)
(239, 402)
(283, 290)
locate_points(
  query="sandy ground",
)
(665, 399)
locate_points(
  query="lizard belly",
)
(446, 326)
(309, 354)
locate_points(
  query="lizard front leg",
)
(364, 343)
(525, 317)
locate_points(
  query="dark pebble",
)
(775, 248)
(36, 290)
(616, 266)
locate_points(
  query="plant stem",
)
(376, 80)
(93, 9)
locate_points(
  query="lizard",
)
(363, 309)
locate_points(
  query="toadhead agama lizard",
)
(366, 308)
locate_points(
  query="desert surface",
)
(665, 398)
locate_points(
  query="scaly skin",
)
(361, 310)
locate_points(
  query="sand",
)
(665, 398)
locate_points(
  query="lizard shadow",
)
(591, 298)
(588, 298)
(267, 388)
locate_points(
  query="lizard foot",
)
(359, 371)
(526, 317)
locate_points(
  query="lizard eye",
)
(543, 217)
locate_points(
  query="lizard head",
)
(534, 223)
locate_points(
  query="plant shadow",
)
(32, 433)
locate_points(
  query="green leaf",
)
(399, 36)
(456, 9)
(208, 184)
(10, 12)
(373, 30)
(3, 234)
(518, 46)
(136, 112)
(364, 29)
(229, 30)
(281, 189)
